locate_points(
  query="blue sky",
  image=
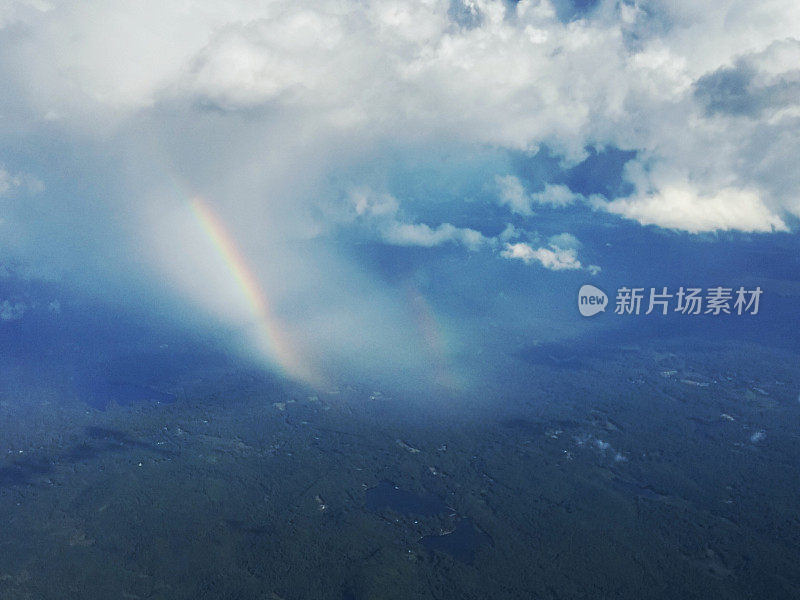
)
(409, 188)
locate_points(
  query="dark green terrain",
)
(655, 472)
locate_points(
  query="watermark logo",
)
(685, 301)
(591, 300)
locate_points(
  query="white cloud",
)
(11, 182)
(420, 234)
(480, 72)
(681, 207)
(560, 254)
(564, 240)
(512, 193)
(366, 202)
(381, 212)
(556, 196)
(553, 258)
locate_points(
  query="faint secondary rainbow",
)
(435, 339)
(271, 338)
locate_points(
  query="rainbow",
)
(434, 337)
(270, 335)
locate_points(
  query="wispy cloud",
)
(11, 311)
(381, 212)
(511, 193)
(11, 183)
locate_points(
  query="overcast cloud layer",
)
(293, 119)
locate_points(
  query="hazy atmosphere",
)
(379, 215)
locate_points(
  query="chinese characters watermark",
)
(685, 301)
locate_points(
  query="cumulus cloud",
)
(381, 212)
(511, 193)
(556, 259)
(560, 254)
(553, 257)
(755, 84)
(682, 207)
(514, 75)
